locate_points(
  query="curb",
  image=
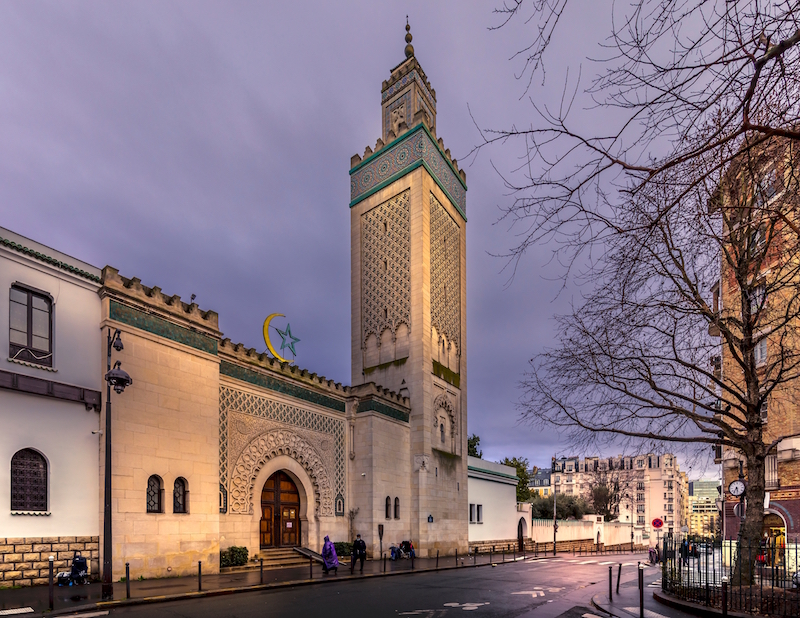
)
(695, 608)
(101, 605)
(597, 606)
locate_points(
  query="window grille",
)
(28, 481)
(180, 496)
(154, 487)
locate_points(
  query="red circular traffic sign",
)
(658, 523)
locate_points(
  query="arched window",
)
(397, 508)
(155, 487)
(180, 496)
(28, 481)
(388, 507)
(441, 431)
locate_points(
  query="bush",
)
(343, 548)
(233, 556)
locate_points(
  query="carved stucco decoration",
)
(385, 267)
(422, 463)
(445, 274)
(269, 445)
(443, 402)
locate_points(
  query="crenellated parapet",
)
(239, 353)
(153, 299)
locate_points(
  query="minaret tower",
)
(408, 258)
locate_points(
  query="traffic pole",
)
(52, 584)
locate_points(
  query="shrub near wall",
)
(233, 556)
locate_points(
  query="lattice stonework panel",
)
(445, 274)
(385, 267)
(317, 440)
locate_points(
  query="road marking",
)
(647, 612)
(606, 563)
(467, 607)
(588, 562)
(533, 593)
(91, 614)
(590, 616)
(15, 611)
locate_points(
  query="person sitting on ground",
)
(329, 558)
(359, 551)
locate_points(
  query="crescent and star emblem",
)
(287, 339)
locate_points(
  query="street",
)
(544, 588)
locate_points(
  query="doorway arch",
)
(280, 512)
(522, 532)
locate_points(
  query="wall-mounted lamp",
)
(430, 519)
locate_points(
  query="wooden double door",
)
(280, 512)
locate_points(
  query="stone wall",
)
(25, 561)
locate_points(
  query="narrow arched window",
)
(441, 431)
(28, 481)
(180, 496)
(397, 508)
(388, 507)
(155, 491)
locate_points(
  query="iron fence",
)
(732, 575)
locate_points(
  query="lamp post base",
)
(108, 592)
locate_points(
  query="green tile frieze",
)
(279, 386)
(370, 405)
(161, 327)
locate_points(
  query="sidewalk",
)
(625, 603)
(35, 600)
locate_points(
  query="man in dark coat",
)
(359, 551)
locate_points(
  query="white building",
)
(492, 493)
(49, 402)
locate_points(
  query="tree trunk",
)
(751, 529)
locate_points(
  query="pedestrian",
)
(329, 558)
(359, 551)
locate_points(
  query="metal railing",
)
(734, 576)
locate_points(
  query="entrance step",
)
(277, 558)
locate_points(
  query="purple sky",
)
(204, 147)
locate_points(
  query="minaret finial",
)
(409, 46)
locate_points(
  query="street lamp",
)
(119, 379)
(630, 503)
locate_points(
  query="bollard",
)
(384, 562)
(610, 583)
(199, 576)
(504, 554)
(127, 580)
(310, 568)
(724, 597)
(456, 557)
(352, 562)
(619, 576)
(641, 592)
(261, 571)
(491, 551)
(412, 560)
(52, 583)
(475, 557)
(437, 559)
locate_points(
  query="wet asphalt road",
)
(541, 589)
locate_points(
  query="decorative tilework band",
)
(279, 386)
(409, 151)
(403, 82)
(370, 405)
(161, 327)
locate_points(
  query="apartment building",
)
(651, 486)
(540, 482)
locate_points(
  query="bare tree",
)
(695, 184)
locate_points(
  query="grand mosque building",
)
(215, 444)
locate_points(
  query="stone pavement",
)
(35, 600)
(626, 602)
